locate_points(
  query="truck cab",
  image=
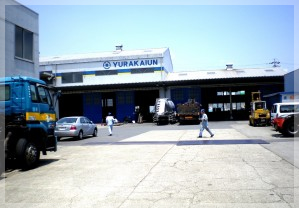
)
(27, 107)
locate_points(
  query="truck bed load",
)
(188, 111)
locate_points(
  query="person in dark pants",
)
(204, 124)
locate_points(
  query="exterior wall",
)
(273, 99)
(289, 97)
(92, 107)
(289, 81)
(125, 105)
(2, 39)
(296, 77)
(181, 95)
(19, 15)
(121, 71)
(167, 63)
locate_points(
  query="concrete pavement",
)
(158, 168)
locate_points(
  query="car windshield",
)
(67, 120)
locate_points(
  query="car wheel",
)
(290, 129)
(95, 132)
(27, 153)
(80, 135)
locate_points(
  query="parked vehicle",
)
(164, 111)
(27, 107)
(75, 126)
(279, 109)
(189, 111)
(290, 125)
(278, 122)
(259, 114)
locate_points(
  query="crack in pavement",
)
(169, 149)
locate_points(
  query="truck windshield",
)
(4, 92)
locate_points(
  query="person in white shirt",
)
(204, 124)
(110, 122)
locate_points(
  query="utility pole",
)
(275, 63)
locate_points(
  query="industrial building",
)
(291, 90)
(127, 82)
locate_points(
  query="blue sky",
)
(200, 37)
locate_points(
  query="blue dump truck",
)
(27, 119)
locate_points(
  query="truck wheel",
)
(27, 153)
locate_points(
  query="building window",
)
(72, 77)
(106, 72)
(226, 93)
(217, 107)
(142, 70)
(23, 43)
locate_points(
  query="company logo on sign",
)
(106, 65)
(138, 63)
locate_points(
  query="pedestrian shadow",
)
(183, 142)
(133, 143)
(221, 142)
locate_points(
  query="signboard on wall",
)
(290, 98)
(140, 63)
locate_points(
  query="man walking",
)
(110, 122)
(204, 124)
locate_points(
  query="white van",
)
(279, 109)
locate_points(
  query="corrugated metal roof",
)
(104, 56)
(223, 74)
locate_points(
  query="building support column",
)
(230, 104)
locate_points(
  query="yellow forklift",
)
(259, 114)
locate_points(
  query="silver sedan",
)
(75, 126)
